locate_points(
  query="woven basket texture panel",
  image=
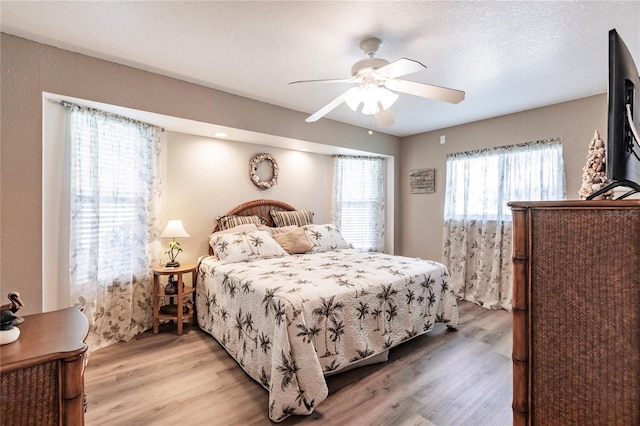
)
(585, 317)
(30, 396)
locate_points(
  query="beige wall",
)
(28, 69)
(422, 214)
(207, 177)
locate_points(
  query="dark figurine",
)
(8, 319)
(171, 287)
(13, 307)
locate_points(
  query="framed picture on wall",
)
(422, 181)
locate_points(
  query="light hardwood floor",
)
(442, 378)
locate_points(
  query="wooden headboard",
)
(261, 208)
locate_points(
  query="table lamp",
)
(174, 230)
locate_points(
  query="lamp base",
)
(173, 264)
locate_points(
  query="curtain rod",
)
(496, 148)
(111, 114)
(359, 156)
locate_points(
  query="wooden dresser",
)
(576, 312)
(42, 373)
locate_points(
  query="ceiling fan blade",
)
(430, 91)
(331, 80)
(325, 109)
(385, 118)
(400, 67)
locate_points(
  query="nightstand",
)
(183, 291)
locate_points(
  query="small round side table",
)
(182, 291)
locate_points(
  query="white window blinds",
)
(358, 202)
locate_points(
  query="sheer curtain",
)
(477, 228)
(359, 202)
(113, 201)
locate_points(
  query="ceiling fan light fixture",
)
(369, 93)
(370, 107)
(353, 97)
(387, 97)
(373, 97)
(392, 84)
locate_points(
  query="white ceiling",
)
(506, 56)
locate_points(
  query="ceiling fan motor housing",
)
(368, 65)
(370, 45)
(364, 67)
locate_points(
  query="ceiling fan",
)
(376, 80)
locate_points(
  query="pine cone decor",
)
(594, 175)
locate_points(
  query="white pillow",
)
(325, 237)
(241, 246)
(247, 227)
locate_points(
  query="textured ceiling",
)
(506, 56)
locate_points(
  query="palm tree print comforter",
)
(290, 320)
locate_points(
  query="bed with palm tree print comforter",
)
(288, 321)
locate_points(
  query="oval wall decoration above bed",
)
(253, 170)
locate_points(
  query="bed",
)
(289, 320)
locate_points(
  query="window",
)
(477, 235)
(111, 215)
(358, 201)
(481, 183)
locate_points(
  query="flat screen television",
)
(623, 144)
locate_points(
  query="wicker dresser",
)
(42, 373)
(576, 312)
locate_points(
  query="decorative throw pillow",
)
(295, 241)
(230, 221)
(280, 230)
(298, 217)
(325, 237)
(241, 246)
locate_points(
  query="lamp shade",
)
(174, 229)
